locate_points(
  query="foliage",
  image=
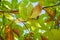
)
(30, 20)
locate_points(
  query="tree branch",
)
(16, 11)
(10, 11)
(51, 6)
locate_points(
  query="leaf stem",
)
(25, 26)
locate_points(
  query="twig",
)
(10, 11)
(25, 26)
(51, 6)
(16, 11)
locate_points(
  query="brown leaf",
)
(16, 31)
(36, 11)
(48, 20)
(8, 33)
(50, 12)
(43, 37)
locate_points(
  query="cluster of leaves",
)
(26, 21)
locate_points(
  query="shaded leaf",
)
(16, 31)
(43, 37)
(48, 20)
(1, 38)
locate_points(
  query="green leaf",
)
(22, 3)
(7, 5)
(14, 3)
(9, 17)
(54, 34)
(34, 0)
(23, 12)
(25, 2)
(47, 3)
(29, 9)
(36, 11)
(52, 1)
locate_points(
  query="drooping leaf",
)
(51, 13)
(36, 11)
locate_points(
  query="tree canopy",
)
(29, 19)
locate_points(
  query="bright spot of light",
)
(45, 23)
(8, 7)
(37, 39)
(20, 23)
(41, 31)
(42, 12)
(28, 22)
(34, 4)
(16, 38)
(1, 19)
(38, 25)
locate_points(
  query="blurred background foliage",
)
(29, 19)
